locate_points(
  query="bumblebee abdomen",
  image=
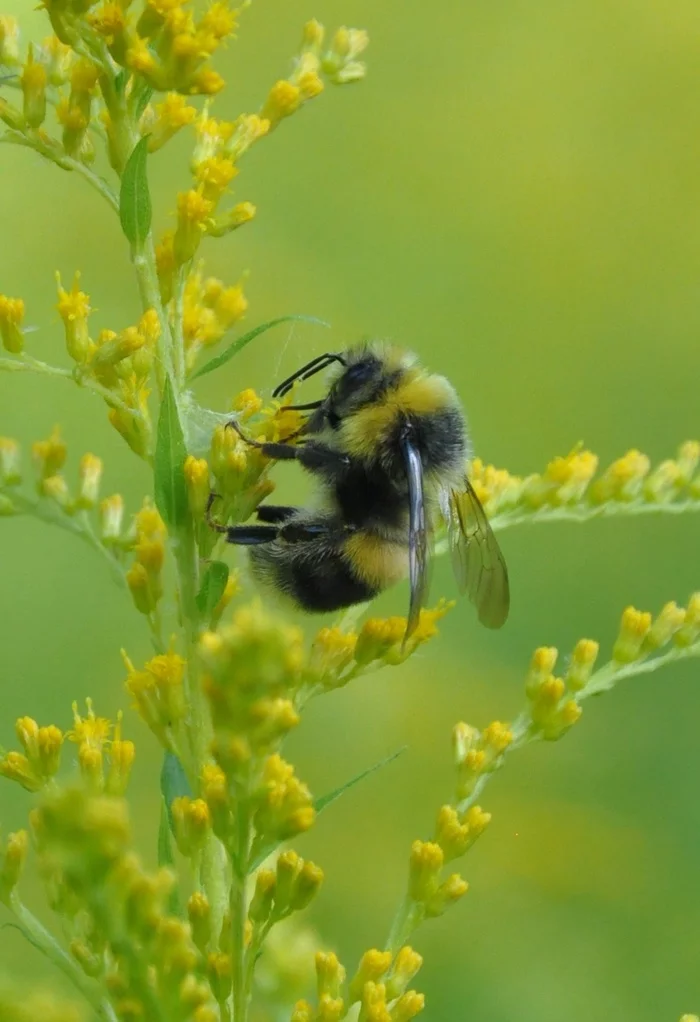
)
(316, 575)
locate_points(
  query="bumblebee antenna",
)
(316, 365)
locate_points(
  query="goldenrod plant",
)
(214, 933)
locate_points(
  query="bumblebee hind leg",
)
(248, 535)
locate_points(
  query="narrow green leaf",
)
(27, 936)
(212, 588)
(144, 99)
(169, 476)
(134, 197)
(325, 800)
(261, 853)
(173, 782)
(120, 81)
(166, 857)
(241, 342)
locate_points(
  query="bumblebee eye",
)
(359, 372)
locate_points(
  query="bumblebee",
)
(387, 446)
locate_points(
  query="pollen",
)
(192, 207)
(498, 736)
(89, 730)
(219, 20)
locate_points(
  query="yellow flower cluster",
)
(159, 696)
(115, 913)
(239, 470)
(570, 484)
(279, 892)
(63, 506)
(209, 311)
(379, 988)
(144, 577)
(22, 1005)
(38, 764)
(164, 44)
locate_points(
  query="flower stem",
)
(407, 918)
(242, 978)
(37, 935)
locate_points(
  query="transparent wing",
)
(477, 560)
(417, 535)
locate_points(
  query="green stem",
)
(178, 336)
(46, 512)
(585, 512)
(40, 937)
(407, 918)
(242, 976)
(25, 363)
(53, 152)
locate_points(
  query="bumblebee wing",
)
(417, 535)
(477, 559)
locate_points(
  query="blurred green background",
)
(514, 194)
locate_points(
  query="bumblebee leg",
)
(274, 513)
(248, 535)
(302, 532)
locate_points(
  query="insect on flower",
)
(387, 445)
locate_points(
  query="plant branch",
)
(51, 151)
(27, 364)
(44, 942)
(45, 511)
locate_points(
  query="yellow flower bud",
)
(426, 862)
(33, 81)
(582, 663)
(373, 965)
(12, 859)
(330, 974)
(199, 915)
(283, 99)
(90, 475)
(197, 479)
(11, 316)
(193, 214)
(74, 309)
(10, 474)
(406, 965)
(634, 628)
(111, 517)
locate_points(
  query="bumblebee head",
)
(361, 376)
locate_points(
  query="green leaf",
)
(212, 588)
(173, 782)
(241, 342)
(134, 197)
(120, 81)
(169, 475)
(261, 853)
(144, 98)
(326, 800)
(166, 857)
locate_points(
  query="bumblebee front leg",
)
(312, 455)
(245, 535)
